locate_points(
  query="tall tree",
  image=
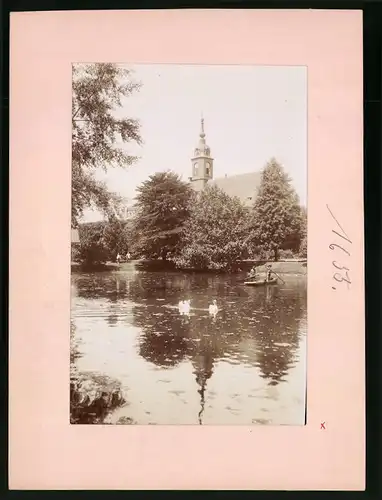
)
(116, 237)
(213, 236)
(98, 90)
(276, 221)
(162, 208)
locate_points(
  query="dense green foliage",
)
(303, 248)
(276, 220)
(98, 91)
(206, 230)
(116, 238)
(163, 204)
(100, 242)
(91, 251)
(303, 251)
(213, 236)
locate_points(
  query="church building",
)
(244, 186)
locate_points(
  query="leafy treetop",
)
(98, 90)
(213, 236)
(277, 219)
(163, 203)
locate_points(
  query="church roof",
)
(244, 186)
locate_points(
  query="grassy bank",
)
(287, 267)
(293, 267)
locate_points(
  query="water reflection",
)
(259, 327)
(256, 328)
(203, 357)
(164, 337)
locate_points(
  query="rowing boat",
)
(272, 281)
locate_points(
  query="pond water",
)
(244, 366)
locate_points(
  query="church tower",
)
(202, 163)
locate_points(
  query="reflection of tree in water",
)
(113, 288)
(165, 337)
(203, 357)
(255, 326)
(93, 396)
(116, 292)
(259, 327)
(262, 329)
(109, 286)
(278, 335)
(112, 319)
(158, 286)
(169, 339)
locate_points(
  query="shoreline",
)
(284, 267)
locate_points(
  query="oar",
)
(274, 272)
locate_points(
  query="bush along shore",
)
(292, 267)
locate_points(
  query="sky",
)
(251, 114)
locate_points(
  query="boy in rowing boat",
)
(269, 272)
(252, 273)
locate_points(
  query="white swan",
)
(187, 306)
(181, 306)
(213, 308)
(184, 307)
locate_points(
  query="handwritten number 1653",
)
(343, 275)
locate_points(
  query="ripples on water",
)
(136, 360)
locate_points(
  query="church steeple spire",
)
(202, 134)
(202, 163)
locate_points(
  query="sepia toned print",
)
(243, 131)
(189, 245)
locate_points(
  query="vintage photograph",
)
(188, 244)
